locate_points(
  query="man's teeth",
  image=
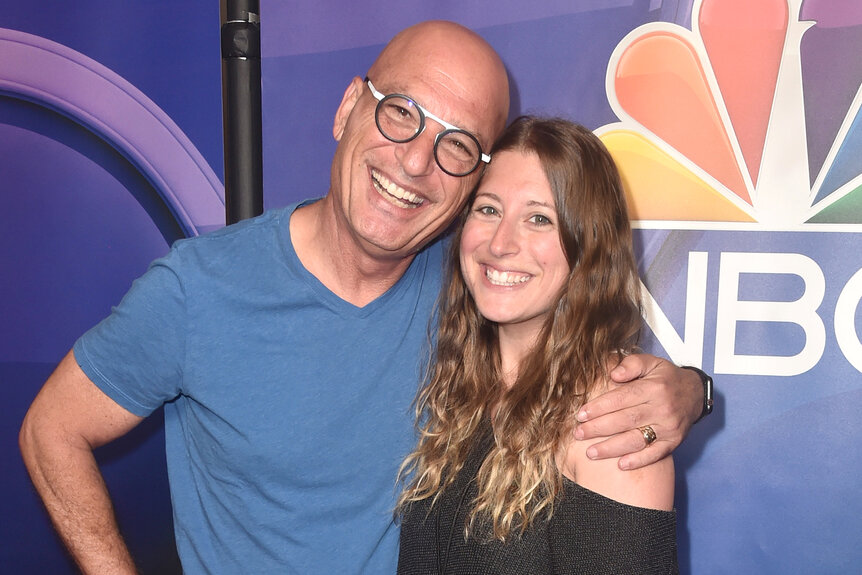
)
(393, 191)
(505, 278)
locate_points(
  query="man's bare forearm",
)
(67, 420)
(68, 480)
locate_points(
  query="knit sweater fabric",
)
(587, 534)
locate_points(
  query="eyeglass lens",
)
(400, 120)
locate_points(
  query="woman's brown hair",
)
(595, 320)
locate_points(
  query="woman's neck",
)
(515, 342)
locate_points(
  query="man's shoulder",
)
(241, 236)
(268, 220)
(238, 246)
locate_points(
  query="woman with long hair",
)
(541, 302)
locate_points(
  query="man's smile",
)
(394, 193)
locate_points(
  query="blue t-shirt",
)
(287, 409)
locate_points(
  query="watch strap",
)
(706, 379)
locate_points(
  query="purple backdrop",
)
(92, 96)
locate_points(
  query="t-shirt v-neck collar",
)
(327, 296)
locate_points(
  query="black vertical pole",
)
(241, 109)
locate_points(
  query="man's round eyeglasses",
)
(400, 119)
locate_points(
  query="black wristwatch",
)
(707, 390)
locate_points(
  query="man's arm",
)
(68, 419)
(649, 391)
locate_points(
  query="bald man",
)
(286, 349)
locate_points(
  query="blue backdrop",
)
(110, 149)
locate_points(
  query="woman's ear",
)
(348, 102)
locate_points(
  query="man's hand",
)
(646, 390)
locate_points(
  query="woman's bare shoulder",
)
(651, 486)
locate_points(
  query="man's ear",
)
(348, 101)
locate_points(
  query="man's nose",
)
(417, 155)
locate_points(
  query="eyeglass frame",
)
(423, 113)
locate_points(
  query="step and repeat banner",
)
(736, 126)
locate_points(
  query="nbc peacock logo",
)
(750, 120)
(734, 137)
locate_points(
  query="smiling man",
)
(388, 199)
(286, 349)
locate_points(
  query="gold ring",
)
(649, 435)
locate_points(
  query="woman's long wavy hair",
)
(595, 320)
